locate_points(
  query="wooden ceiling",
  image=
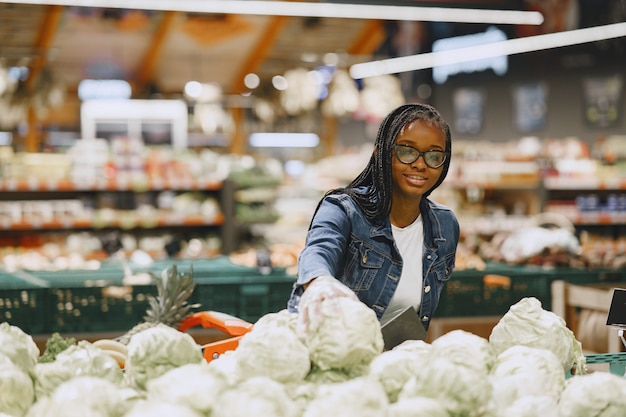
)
(161, 51)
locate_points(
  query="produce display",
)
(531, 365)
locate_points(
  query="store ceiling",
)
(159, 51)
(163, 50)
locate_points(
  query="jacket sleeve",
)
(326, 241)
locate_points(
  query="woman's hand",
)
(322, 288)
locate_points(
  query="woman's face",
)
(416, 178)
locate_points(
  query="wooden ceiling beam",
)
(45, 36)
(259, 52)
(147, 68)
(252, 64)
(370, 38)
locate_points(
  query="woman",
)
(381, 238)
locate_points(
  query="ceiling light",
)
(310, 9)
(284, 140)
(472, 53)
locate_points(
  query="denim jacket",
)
(342, 243)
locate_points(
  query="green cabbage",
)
(273, 351)
(464, 348)
(362, 397)
(393, 368)
(522, 371)
(533, 406)
(599, 394)
(19, 347)
(85, 396)
(17, 392)
(418, 407)
(192, 385)
(82, 359)
(528, 324)
(464, 390)
(156, 350)
(259, 396)
(348, 335)
(161, 409)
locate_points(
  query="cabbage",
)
(273, 351)
(464, 390)
(528, 324)
(302, 393)
(259, 396)
(82, 359)
(85, 396)
(226, 367)
(418, 407)
(319, 376)
(156, 350)
(192, 385)
(19, 347)
(599, 394)
(533, 406)
(347, 335)
(466, 349)
(522, 371)
(17, 392)
(418, 346)
(363, 397)
(393, 368)
(161, 409)
(282, 318)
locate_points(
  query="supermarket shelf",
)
(575, 183)
(161, 220)
(38, 185)
(503, 184)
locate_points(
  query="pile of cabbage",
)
(283, 368)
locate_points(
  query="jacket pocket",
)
(363, 267)
(443, 269)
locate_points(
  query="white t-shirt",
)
(410, 242)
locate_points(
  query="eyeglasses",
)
(408, 154)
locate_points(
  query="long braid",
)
(376, 204)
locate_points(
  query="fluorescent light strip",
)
(473, 53)
(310, 9)
(284, 140)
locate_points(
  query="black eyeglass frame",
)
(422, 154)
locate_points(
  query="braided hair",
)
(376, 202)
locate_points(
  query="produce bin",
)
(491, 292)
(615, 361)
(25, 308)
(81, 301)
(98, 309)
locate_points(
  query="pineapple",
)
(171, 304)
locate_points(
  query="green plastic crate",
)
(27, 309)
(98, 309)
(616, 362)
(245, 299)
(474, 294)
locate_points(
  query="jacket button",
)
(364, 259)
(427, 289)
(425, 318)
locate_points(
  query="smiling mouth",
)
(415, 177)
